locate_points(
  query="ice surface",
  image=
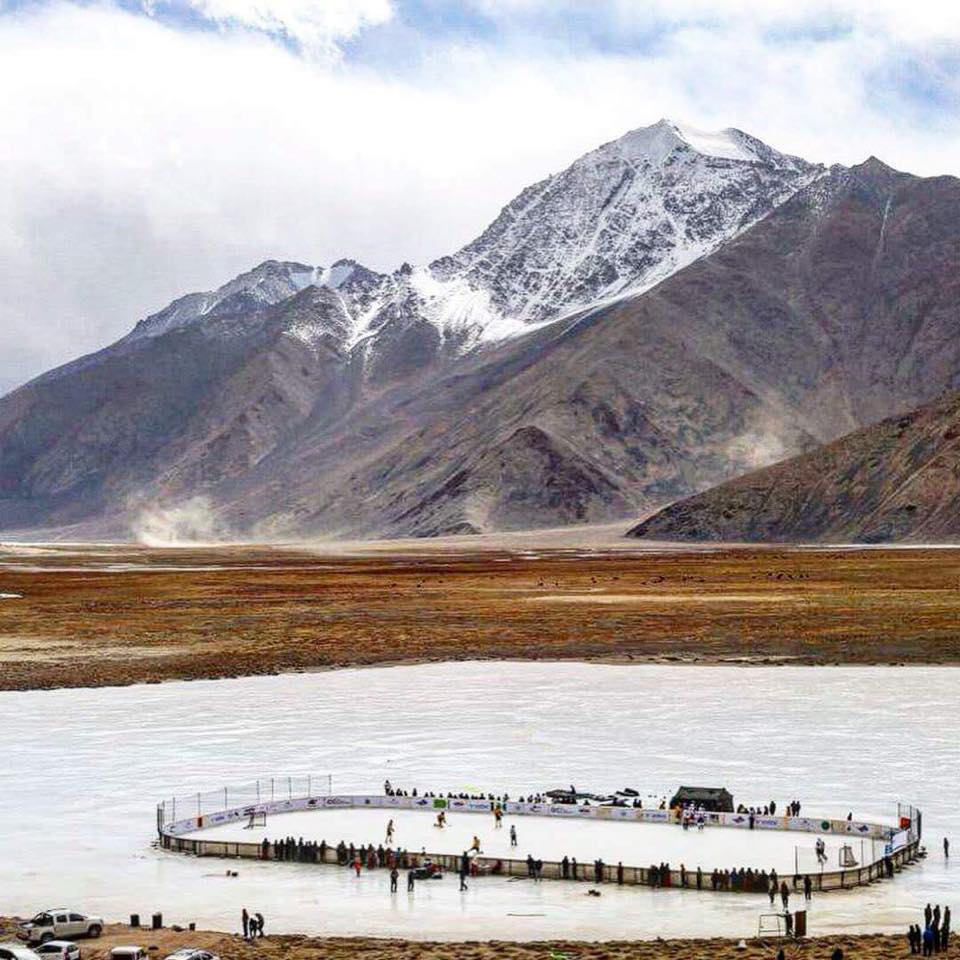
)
(83, 769)
(546, 838)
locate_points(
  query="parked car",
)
(58, 950)
(16, 951)
(60, 924)
(192, 953)
(127, 952)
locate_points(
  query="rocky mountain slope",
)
(535, 377)
(896, 480)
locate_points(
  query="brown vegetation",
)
(100, 616)
(233, 947)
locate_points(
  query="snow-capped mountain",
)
(624, 217)
(617, 221)
(728, 306)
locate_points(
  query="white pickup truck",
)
(60, 924)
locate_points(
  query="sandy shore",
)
(233, 947)
(106, 615)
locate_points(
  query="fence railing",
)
(265, 790)
(556, 870)
(278, 795)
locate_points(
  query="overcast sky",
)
(151, 148)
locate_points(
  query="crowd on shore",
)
(935, 935)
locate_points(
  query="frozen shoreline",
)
(833, 738)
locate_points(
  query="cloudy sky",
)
(153, 147)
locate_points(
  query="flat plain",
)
(112, 614)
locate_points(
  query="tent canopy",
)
(716, 799)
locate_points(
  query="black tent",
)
(716, 799)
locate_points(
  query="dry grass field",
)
(232, 947)
(99, 615)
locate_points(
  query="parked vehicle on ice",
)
(58, 950)
(60, 924)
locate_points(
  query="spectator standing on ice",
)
(394, 876)
(784, 894)
(946, 849)
(773, 890)
(945, 930)
(565, 867)
(513, 835)
(928, 941)
(463, 879)
(390, 832)
(410, 881)
(807, 887)
(245, 922)
(356, 865)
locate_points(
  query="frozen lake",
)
(84, 769)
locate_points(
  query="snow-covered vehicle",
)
(60, 924)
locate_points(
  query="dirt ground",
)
(233, 947)
(90, 616)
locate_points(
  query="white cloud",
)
(141, 162)
(316, 26)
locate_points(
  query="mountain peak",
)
(656, 142)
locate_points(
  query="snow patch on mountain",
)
(616, 222)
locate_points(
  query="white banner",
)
(604, 812)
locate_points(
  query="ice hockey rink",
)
(551, 838)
